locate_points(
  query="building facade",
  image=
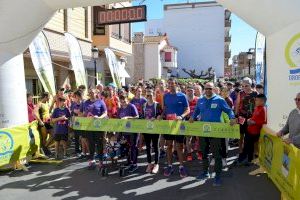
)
(115, 37)
(242, 66)
(201, 31)
(153, 57)
(76, 21)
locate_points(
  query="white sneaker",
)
(212, 162)
(155, 169)
(224, 162)
(149, 168)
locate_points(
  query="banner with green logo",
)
(282, 163)
(203, 129)
(18, 143)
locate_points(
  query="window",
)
(168, 56)
(98, 29)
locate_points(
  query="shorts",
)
(178, 138)
(47, 125)
(60, 137)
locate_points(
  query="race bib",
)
(214, 106)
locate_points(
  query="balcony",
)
(228, 23)
(227, 14)
(228, 54)
(228, 39)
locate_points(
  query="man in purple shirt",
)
(129, 111)
(94, 108)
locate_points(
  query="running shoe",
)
(155, 169)
(212, 162)
(200, 156)
(189, 157)
(224, 162)
(182, 172)
(92, 164)
(217, 182)
(149, 168)
(132, 168)
(168, 171)
(203, 176)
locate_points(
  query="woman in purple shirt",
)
(151, 111)
(94, 108)
(129, 111)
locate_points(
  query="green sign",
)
(203, 129)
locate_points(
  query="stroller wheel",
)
(100, 171)
(105, 172)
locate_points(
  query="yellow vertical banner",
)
(18, 143)
(282, 163)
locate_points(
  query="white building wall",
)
(152, 61)
(198, 33)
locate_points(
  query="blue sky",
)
(243, 35)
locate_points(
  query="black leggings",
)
(154, 138)
(95, 138)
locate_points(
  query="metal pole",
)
(249, 67)
(95, 66)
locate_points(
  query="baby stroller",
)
(113, 151)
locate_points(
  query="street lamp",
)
(95, 55)
(249, 56)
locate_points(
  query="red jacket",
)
(260, 117)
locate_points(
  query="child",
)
(255, 123)
(60, 118)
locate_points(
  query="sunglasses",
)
(208, 88)
(297, 99)
(246, 86)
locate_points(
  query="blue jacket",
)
(210, 110)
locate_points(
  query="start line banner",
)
(203, 129)
(282, 163)
(18, 144)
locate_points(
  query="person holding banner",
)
(95, 108)
(209, 109)
(60, 117)
(292, 125)
(244, 108)
(151, 111)
(176, 107)
(129, 111)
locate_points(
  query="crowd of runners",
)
(241, 103)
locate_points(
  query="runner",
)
(60, 118)
(42, 114)
(175, 108)
(192, 99)
(95, 108)
(151, 111)
(30, 108)
(129, 111)
(209, 108)
(244, 108)
(76, 107)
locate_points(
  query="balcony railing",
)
(119, 37)
(228, 39)
(227, 23)
(228, 54)
(227, 14)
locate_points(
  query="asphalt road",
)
(71, 181)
